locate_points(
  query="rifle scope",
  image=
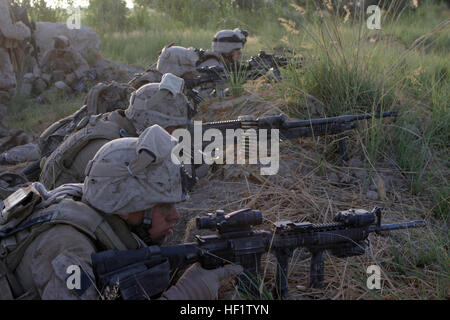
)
(357, 218)
(234, 220)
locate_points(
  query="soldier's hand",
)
(201, 284)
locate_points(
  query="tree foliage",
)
(106, 15)
(39, 10)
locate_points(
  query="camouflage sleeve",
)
(81, 65)
(210, 63)
(17, 31)
(60, 264)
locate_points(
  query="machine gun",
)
(286, 129)
(237, 242)
(295, 129)
(258, 66)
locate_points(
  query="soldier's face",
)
(164, 217)
(188, 75)
(236, 54)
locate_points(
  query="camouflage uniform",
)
(11, 35)
(224, 42)
(173, 59)
(102, 98)
(162, 104)
(86, 218)
(62, 65)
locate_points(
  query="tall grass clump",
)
(344, 70)
(351, 68)
(421, 144)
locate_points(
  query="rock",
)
(61, 85)
(372, 195)
(84, 40)
(109, 71)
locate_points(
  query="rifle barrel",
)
(397, 226)
(340, 119)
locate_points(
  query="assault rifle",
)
(139, 272)
(207, 75)
(253, 68)
(260, 65)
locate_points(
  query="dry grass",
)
(303, 191)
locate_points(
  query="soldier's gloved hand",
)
(200, 284)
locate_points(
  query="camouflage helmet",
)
(226, 41)
(61, 42)
(159, 103)
(177, 60)
(133, 174)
